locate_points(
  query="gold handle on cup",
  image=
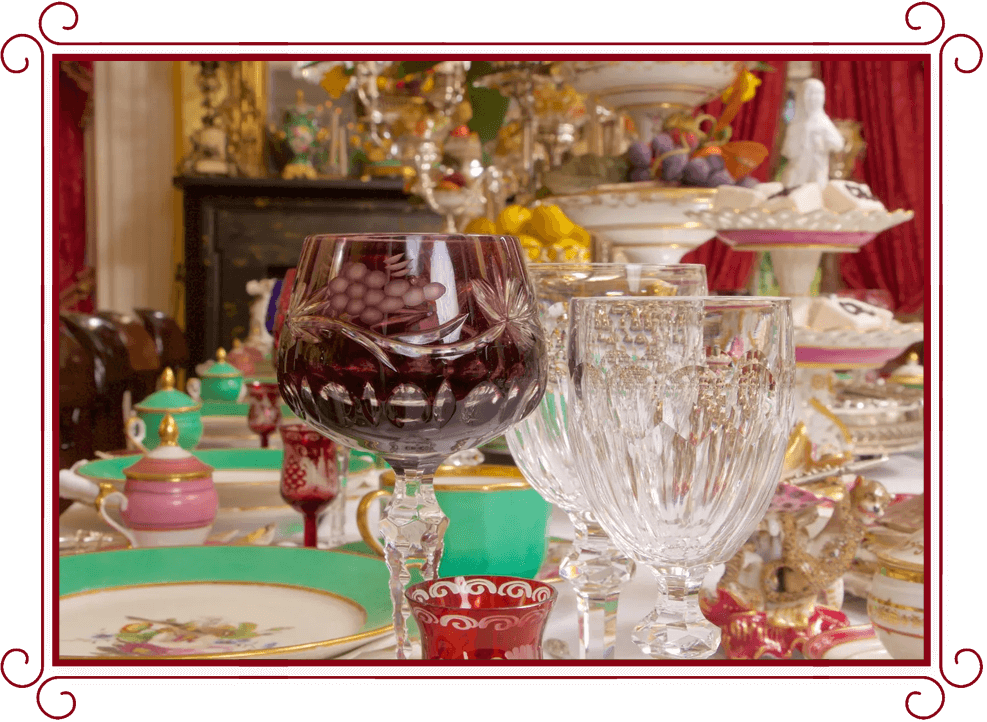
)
(361, 520)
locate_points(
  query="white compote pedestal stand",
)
(645, 222)
(796, 243)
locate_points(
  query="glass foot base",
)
(697, 639)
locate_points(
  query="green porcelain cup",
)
(148, 414)
(221, 382)
(498, 524)
(189, 428)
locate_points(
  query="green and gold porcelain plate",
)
(220, 603)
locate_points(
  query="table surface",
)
(901, 474)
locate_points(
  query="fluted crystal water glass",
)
(679, 414)
(540, 444)
(412, 347)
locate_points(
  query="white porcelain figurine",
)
(810, 138)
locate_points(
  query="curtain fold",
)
(728, 270)
(888, 97)
(75, 276)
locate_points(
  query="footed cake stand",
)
(796, 244)
(644, 222)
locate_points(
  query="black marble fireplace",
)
(241, 229)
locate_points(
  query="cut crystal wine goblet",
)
(541, 447)
(413, 347)
(264, 413)
(679, 415)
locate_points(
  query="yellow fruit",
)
(581, 235)
(532, 246)
(481, 226)
(569, 250)
(550, 222)
(512, 219)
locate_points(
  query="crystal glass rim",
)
(443, 237)
(553, 596)
(741, 301)
(539, 268)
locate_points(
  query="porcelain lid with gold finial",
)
(169, 461)
(241, 358)
(910, 374)
(222, 368)
(906, 560)
(168, 398)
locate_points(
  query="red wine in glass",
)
(311, 474)
(411, 347)
(264, 414)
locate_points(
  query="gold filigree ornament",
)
(789, 572)
(799, 459)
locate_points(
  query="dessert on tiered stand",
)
(787, 583)
(796, 221)
(638, 212)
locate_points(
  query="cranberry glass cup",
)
(481, 617)
(265, 409)
(311, 474)
(412, 347)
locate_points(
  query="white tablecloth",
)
(902, 474)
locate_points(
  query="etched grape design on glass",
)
(541, 448)
(413, 347)
(679, 415)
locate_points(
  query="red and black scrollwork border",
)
(953, 565)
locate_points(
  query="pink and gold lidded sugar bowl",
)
(168, 498)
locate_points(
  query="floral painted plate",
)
(847, 643)
(220, 603)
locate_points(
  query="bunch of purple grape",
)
(666, 159)
(376, 297)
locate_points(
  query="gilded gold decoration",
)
(798, 456)
(806, 566)
(241, 98)
(877, 611)
(893, 605)
(842, 163)
(905, 575)
(336, 81)
(168, 431)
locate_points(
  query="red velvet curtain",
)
(757, 120)
(75, 276)
(888, 97)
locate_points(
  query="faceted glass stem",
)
(676, 628)
(596, 569)
(413, 527)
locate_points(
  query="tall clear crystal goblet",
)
(413, 347)
(679, 413)
(540, 444)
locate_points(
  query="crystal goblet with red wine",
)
(413, 347)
